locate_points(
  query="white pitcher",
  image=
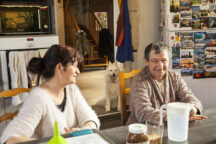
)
(177, 119)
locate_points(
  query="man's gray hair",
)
(158, 46)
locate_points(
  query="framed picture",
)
(102, 17)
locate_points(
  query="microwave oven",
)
(24, 19)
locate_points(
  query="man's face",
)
(158, 64)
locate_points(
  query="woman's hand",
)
(69, 130)
(87, 125)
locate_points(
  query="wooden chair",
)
(11, 93)
(125, 91)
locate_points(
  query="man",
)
(155, 85)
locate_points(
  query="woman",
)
(56, 99)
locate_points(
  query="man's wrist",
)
(194, 109)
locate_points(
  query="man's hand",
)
(194, 116)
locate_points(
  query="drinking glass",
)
(155, 133)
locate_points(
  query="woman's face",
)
(70, 73)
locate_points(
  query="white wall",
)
(115, 18)
(204, 89)
(146, 23)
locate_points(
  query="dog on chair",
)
(111, 97)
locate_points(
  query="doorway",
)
(90, 81)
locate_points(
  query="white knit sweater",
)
(37, 115)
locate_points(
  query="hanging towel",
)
(124, 41)
(18, 61)
(42, 52)
(15, 74)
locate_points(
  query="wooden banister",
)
(71, 25)
(94, 26)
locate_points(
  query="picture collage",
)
(193, 14)
(195, 53)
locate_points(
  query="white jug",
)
(177, 119)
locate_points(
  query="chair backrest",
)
(11, 93)
(125, 91)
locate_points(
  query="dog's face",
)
(112, 72)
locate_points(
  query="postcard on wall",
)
(185, 5)
(186, 67)
(212, 22)
(199, 44)
(204, 23)
(210, 51)
(102, 17)
(212, 11)
(196, 2)
(195, 11)
(187, 63)
(174, 6)
(198, 74)
(210, 66)
(186, 38)
(208, 1)
(198, 65)
(187, 45)
(210, 59)
(196, 23)
(204, 10)
(185, 14)
(199, 37)
(185, 2)
(186, 34)
(174, 21)
(211, 35)
(175, 18)
(176, 57)
(199, 53)
(199, 58)
(210, 42)
(186, 71)
(186, 54)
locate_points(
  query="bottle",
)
(137, 134)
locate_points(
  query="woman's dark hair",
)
(157, 46)
(56, 54)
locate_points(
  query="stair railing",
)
(71, 25)
(94, 26)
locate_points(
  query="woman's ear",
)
(59, 67)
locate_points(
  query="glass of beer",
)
(155, 133)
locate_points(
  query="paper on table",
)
(87, 139)
(93, 138)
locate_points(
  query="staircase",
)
(93, 60)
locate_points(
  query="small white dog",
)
(112, 88)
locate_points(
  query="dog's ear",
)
(110, 63)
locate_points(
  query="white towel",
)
(18, 62)
(42, 52)
(15, 74)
